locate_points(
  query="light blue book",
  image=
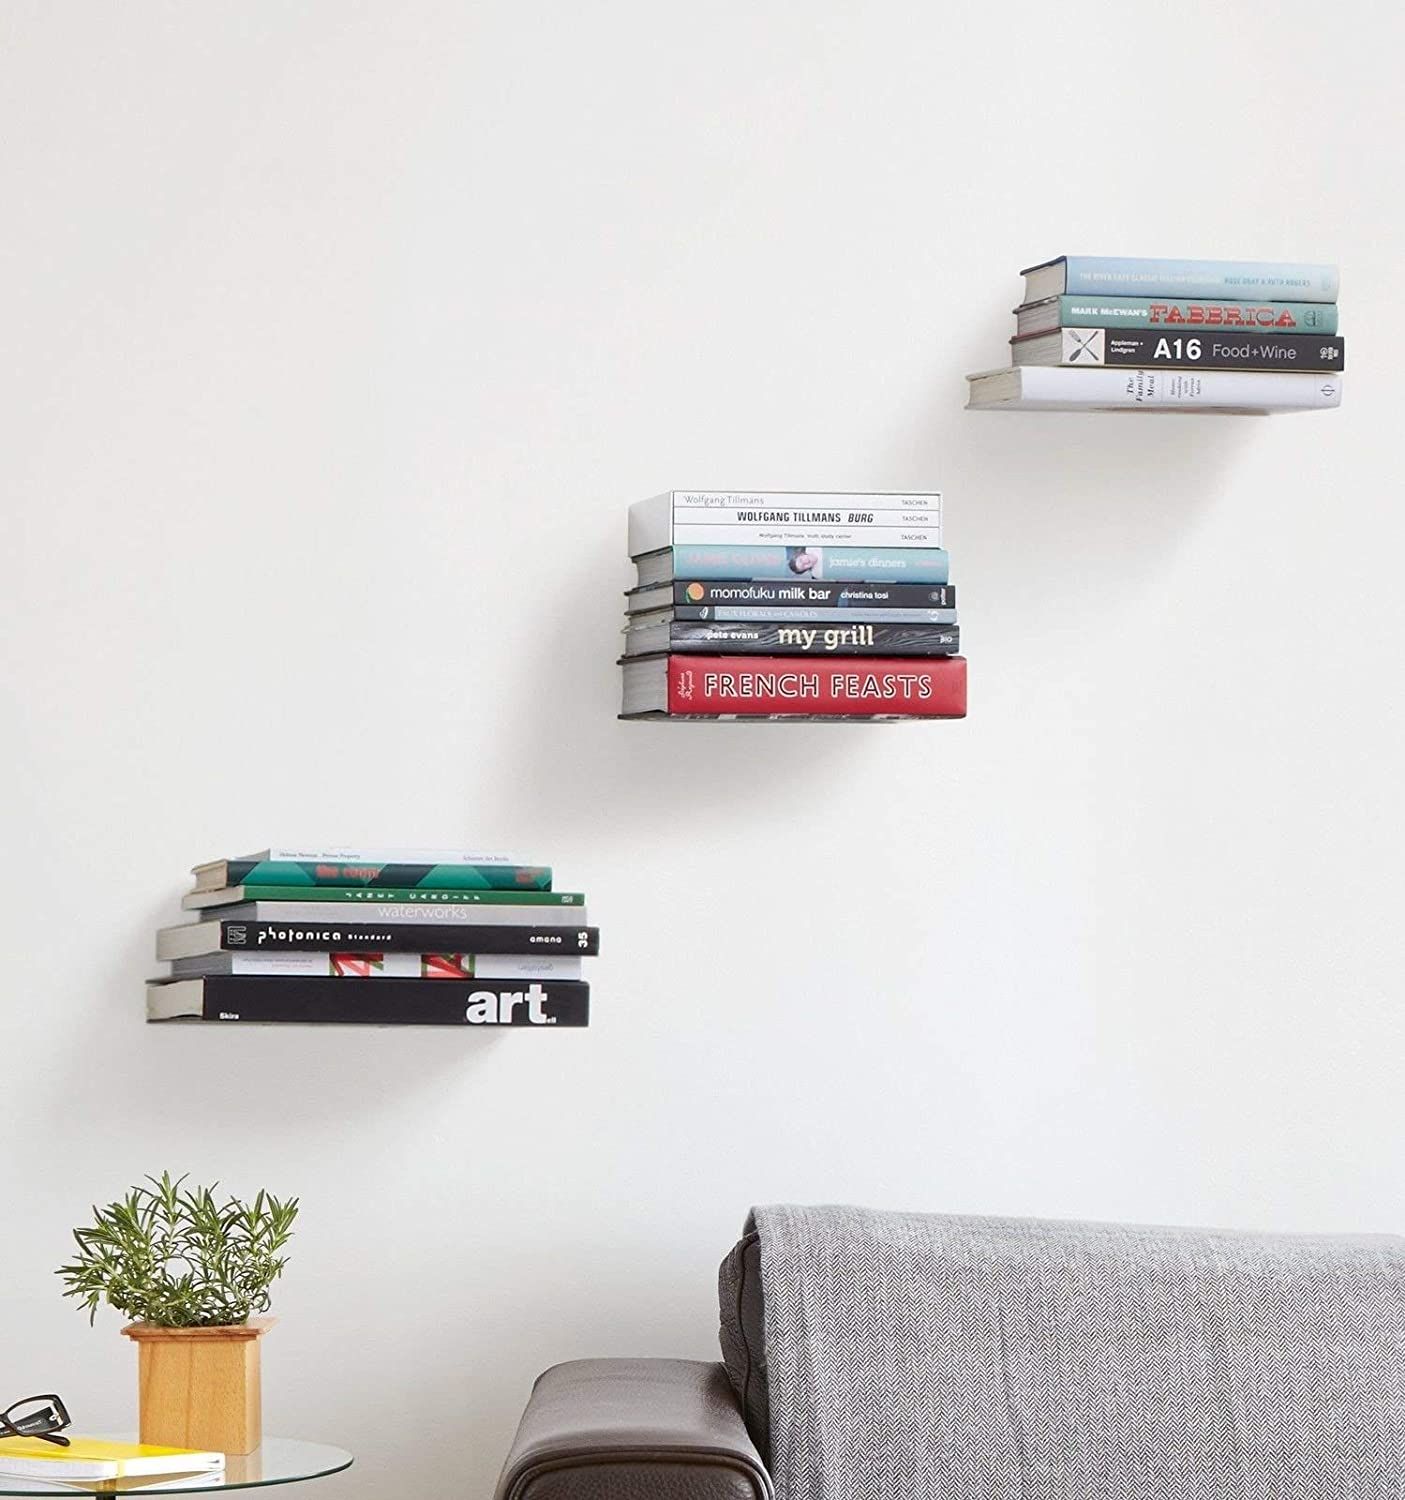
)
(1266, 281)
(708, 563)
(789, 614)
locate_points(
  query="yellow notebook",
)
(93, 1458)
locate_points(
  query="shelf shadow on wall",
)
(276, 1081)
(569, 751)
(1047, 511)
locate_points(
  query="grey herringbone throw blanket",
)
(921, 1357)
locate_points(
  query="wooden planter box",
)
(200, 1386)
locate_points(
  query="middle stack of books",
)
(791, 605)
(417, 937)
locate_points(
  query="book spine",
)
(1190, 390)
(1149, 312)
(816, 640)
(727, 518)
(388, 856)
(688, 502)
(1270, 281)
(818, 594)
(715, 532)
(372, 895)
(405, 912)
(829, 688)
(805, 516)
(486, 877)
(824, 616)
(1207, 351)
(392, 1002)
(351, 937)
(832, 564)
(375, 966)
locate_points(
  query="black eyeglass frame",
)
(46, 1424)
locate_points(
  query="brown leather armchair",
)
(633, 1429)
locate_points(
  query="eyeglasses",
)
(36, 1417)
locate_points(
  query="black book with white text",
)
(383, 1002)
(192, 939)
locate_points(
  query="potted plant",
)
(192, 1270)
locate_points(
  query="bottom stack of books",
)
(401, 940)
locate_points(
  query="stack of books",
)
(419, 937)
(791, 605)
(1098, 333)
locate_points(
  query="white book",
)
(451, 914)
(795, 515)
(785, 518)
(354, 966)
(1238, 392)
(691, 502)
(802, 535)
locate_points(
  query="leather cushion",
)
(654, 1480)
(743, 1336)
(633, 1429)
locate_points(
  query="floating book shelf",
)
(378, 938)
(1238, 338)
(790, 606)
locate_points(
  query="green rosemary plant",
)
(180, 1257)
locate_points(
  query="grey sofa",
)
(922, 1357)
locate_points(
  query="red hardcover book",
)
(796, 687)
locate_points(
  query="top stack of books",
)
(418, 937)
(791, 605)
(1098, 333)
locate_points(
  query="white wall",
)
(337, 337)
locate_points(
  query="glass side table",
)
(279, 1461)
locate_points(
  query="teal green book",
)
(370, 895)
(459, 876)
